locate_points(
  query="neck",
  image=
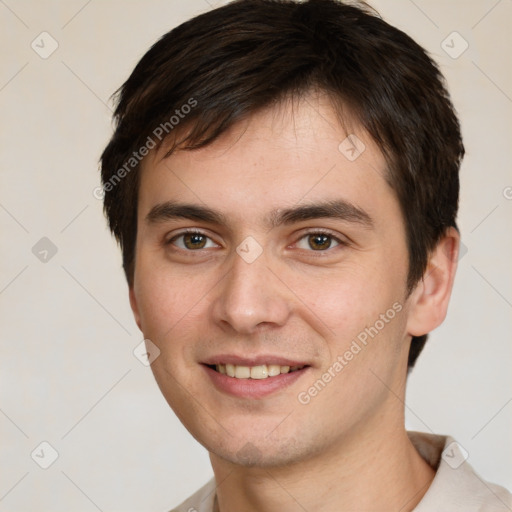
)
(367, 470)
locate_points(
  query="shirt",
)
(456, 487)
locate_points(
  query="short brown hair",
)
(222, 66)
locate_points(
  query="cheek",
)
(348, 300)
(171, 313)
(165, 299)
(365, 315)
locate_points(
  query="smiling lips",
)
(259, 372)
(254, 377)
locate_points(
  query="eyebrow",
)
(337, 209)
(171, 210)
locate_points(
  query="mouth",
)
(254, 378)
(259, 372)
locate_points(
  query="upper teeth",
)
(254, 372)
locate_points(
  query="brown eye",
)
(192, 241)
(318, 242)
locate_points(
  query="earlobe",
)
(429, 300)
(134, 306)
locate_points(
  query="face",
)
(274, 249)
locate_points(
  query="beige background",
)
(68, 374)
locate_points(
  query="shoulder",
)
(456, 485)
(200, 501)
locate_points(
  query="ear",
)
(428, 302)
(135, 307)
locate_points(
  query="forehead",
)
(296, 151)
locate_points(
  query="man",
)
(283, 181)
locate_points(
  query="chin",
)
(255, 456)
(260, 451)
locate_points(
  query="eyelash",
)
(319, 231)
(189, 231)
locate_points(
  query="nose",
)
(251, 297)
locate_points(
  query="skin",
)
(347, 449)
